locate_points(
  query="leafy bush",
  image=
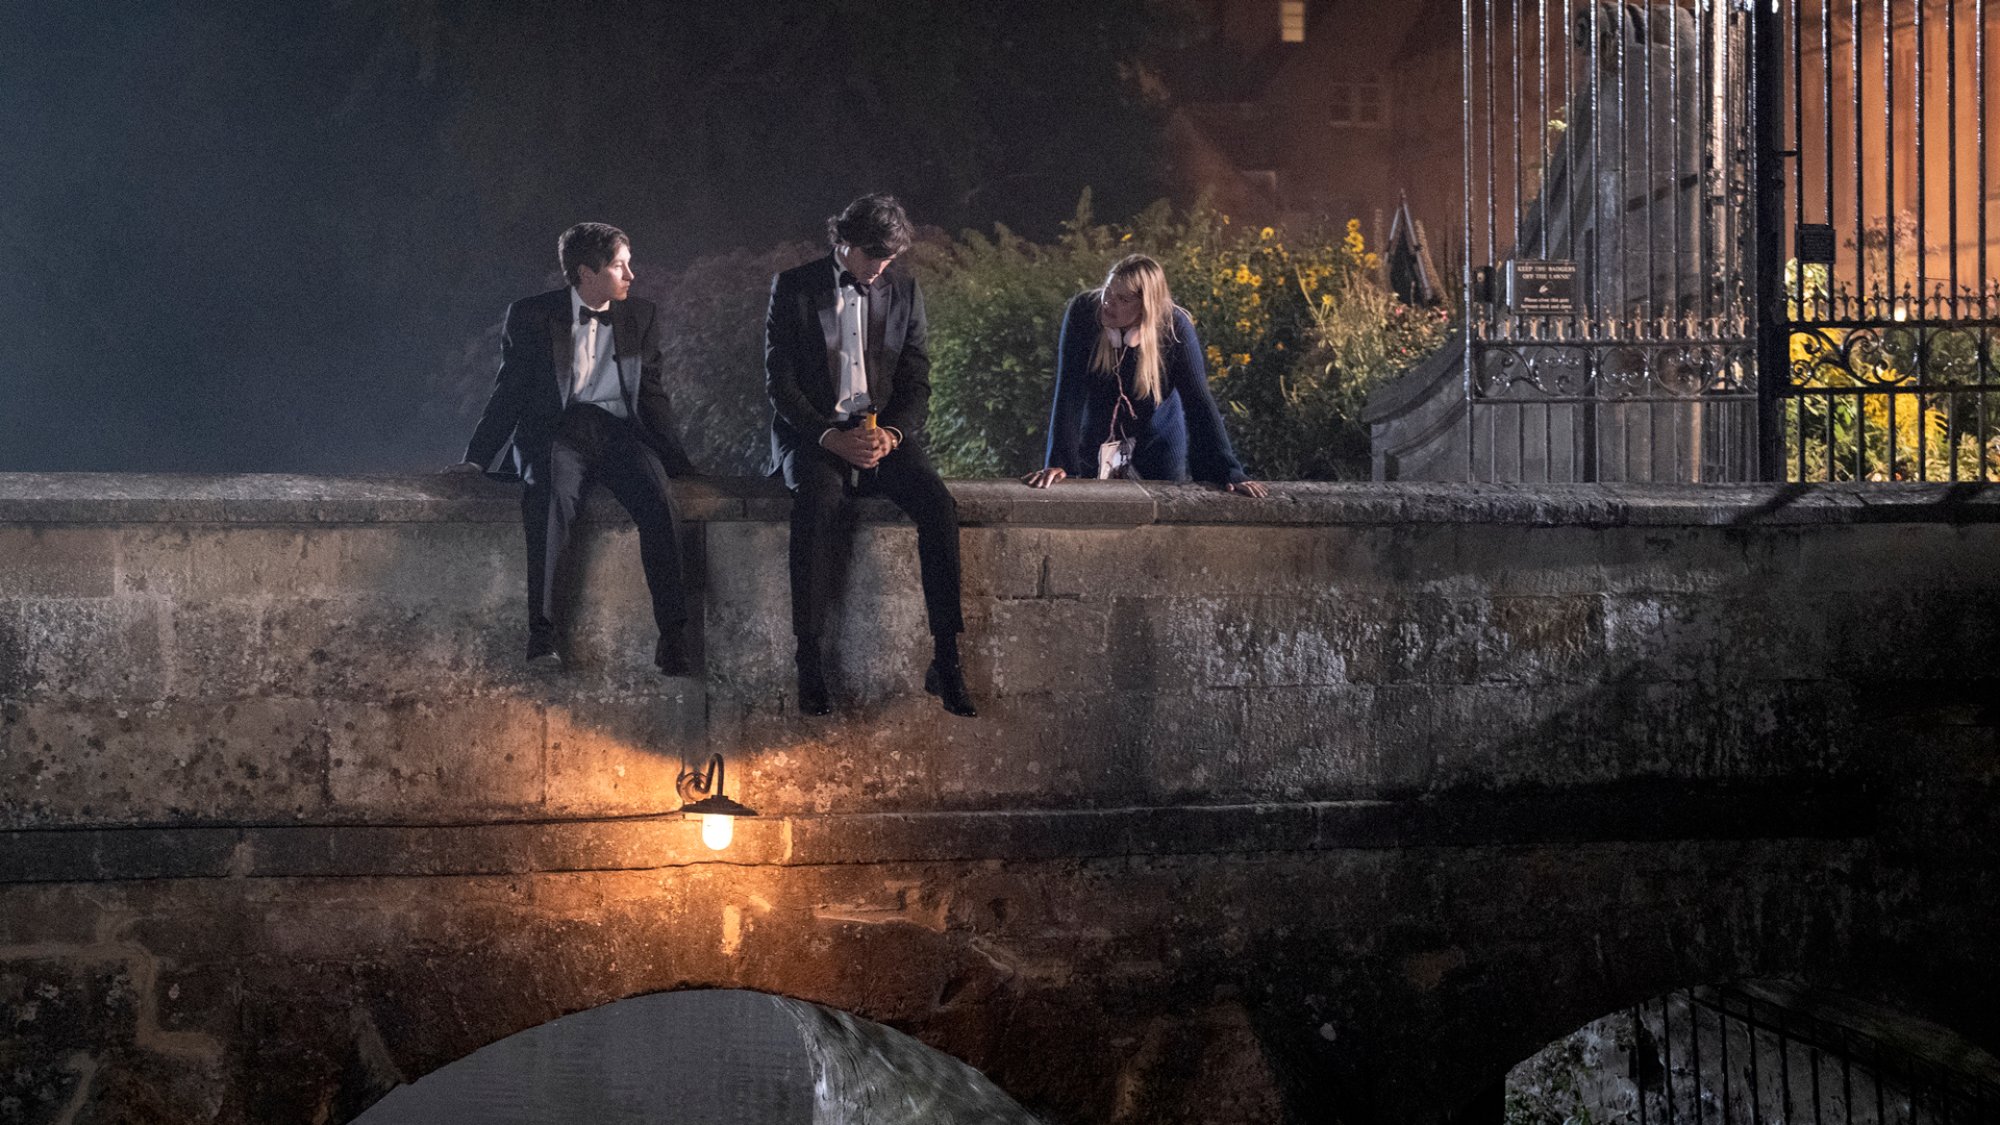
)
(1296, 333)
(996, 306)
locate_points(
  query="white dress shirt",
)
(593, 364)
(850, 313)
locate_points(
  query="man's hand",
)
(858, 447)
(1042, 478)
(463, 468)
(1251, 488)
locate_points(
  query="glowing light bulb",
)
(717, 831)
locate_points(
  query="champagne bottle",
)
(863, 478)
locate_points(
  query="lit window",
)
(1292, 20)
(1357, 103)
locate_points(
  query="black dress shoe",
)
(947, 682)
(542, 654)
(670, 656)
(812, 687)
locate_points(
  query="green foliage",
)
(1883, 434)
(996, 307)
(1297, 329)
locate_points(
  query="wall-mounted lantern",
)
(716, 812)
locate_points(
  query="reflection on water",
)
(717, 1058)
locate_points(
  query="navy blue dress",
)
(1179, 438)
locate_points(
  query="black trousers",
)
(820, 530)
(592, 446)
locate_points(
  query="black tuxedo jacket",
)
(801, 338)
(533, 385)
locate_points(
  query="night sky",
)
(269, 237)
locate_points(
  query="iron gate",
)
(1610, 329)
(1886, 308)
(1718, 240)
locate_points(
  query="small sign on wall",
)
(1541, 287)
(1815, 243)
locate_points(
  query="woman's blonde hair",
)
(1139, 274)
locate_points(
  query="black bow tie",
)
(853, 282)
(585, 316)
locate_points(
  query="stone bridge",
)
(1326, 808)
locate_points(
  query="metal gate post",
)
(1768, 180)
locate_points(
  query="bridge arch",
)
(1755, 1050)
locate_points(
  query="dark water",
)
(718, 1058)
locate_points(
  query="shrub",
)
(1296, 332)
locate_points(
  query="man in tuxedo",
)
(580, 400)
(848, 373)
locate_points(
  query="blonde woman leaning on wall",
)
(1132, 394)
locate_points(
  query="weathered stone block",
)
(785, 762)
(619, 757)
(1042, 750)
(448, 563)
(87, 648)
(60, 562)
(1543, 639)
(359, 649)
(1050, 645)
(77, 762)
(217, 649)
(414, 759)
(748, 627)
(1164, 561)
(1259, 744)
(1168, 644)
(1862, 559)
(1005, 562)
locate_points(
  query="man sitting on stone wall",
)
(848, 373)
(580, 399)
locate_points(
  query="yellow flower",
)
(1265, 234)
(1126, 237)
(1243, 275)
(1243, 359)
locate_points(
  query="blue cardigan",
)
(1180, 437)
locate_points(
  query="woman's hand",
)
(1253, 489)
(1042, 478)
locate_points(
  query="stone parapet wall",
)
(276, 650)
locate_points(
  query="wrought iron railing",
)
(1725, 1056)
(1722, 240)
(1889, 303)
